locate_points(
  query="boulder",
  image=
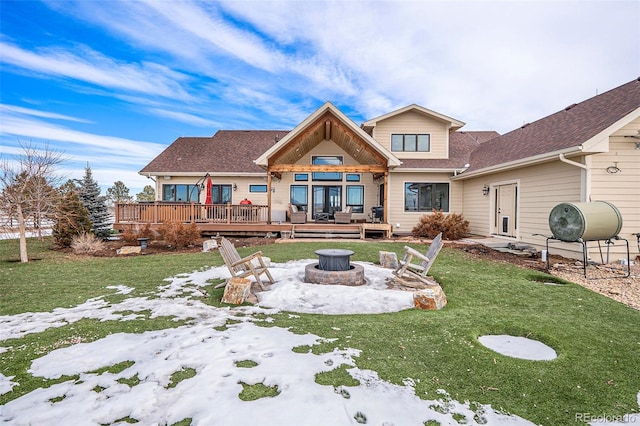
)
(236, 291)
(388, 259)
(209, 245)
(430, 298)
(129, 250)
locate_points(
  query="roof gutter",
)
(573, 163)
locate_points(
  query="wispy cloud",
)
(131, 151)
(36, 113)
(90, 66)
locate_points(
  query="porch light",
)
(485, 190)
(235, 187)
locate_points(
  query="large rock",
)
(209, 245)
(430, 298)
(129, 250)
(236, 291)
(388, 259)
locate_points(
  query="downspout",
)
(587, 182)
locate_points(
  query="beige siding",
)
(540, 188)
(403, 222)
(413, 122)
(622, 189)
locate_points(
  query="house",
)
(404, 164)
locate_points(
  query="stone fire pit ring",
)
(352, 277)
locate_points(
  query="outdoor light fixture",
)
(485, 190)
(235, 187)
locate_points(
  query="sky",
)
(202, 344)
(112, 83)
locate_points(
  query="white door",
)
(506, 221)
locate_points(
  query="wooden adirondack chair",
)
(243, 267)
(408, 271)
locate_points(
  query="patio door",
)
(506, 220)
(326, 200)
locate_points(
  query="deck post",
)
(268, 197)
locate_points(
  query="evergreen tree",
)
(71, 218)
(96, 205)
(118, 193)
(148, 194)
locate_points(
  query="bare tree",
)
(26, 187)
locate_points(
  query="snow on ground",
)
(143, 390)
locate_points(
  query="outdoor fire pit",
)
(334, 267)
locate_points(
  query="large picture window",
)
(425, 197)
(181, 193)
(334, 160)
(410, 142)
(355, 198)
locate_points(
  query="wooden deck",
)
(238, 220)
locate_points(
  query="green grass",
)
(597, 339)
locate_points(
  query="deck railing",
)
(159, 212)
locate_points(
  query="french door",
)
(326, 199)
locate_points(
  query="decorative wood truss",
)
(327, 127)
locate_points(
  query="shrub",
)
(129, 236)
(86, 243)
(453, 226)
(176, 235)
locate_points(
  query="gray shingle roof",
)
(461, 144)
(228, 151)
(565, 129)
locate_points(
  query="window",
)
(425, 197)
(355, 198)
(301, 177)
(184, 193)
(299, 196)
(257, 188)
(221, 194)
(328, 160)
(353, 177)
(410, 142)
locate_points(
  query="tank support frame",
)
(585, 256)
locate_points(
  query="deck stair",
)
(310, 230)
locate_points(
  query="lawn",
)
(597, 339)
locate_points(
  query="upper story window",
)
(334, 160)
(257, 188)
(410, 142)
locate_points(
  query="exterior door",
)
(326, 200)
(506, 220)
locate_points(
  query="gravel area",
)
(606, 279)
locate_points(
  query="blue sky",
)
(112, 83)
